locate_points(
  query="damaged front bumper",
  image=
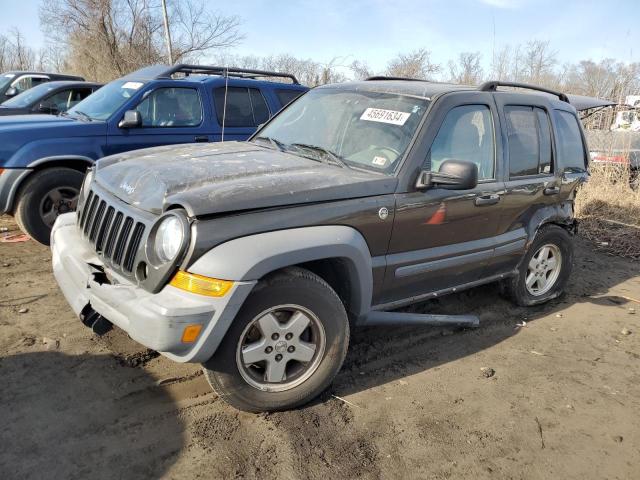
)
(157, 321)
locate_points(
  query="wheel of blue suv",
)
(545, 269)
(45, 195)
(284, 347)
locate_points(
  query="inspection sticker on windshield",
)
(385, 116)
(132, 85)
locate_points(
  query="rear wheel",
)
(285, 346)
(545, 269)
(47, 194)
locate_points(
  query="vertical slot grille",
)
(116, 236)
(132, 248)
(121, 243)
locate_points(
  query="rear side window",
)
(571, 154)
(529, 134)
(285, 97)
(466, 134)
(245, 107)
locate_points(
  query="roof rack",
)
(223, 71)
(493, 85)
(384, 77)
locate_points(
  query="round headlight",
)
(169, 238)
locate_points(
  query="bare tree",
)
(467, 69)
(106, 39)
(501, 64)
(360, 70)
(539, 62)
(416, 64)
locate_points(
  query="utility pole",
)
(167, 33)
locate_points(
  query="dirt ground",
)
(409, 403)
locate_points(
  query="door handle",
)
(552, 190)
(487, 200)
(201, 138)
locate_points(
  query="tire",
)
(559, 241)
(36, 198)
(245, 387)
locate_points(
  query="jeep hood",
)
(224, 177)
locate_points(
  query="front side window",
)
(365, 129)
(171, 107)
(240, 107)
(529, 136)
(466, 134)
(571, 154)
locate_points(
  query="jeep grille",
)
(114, 233)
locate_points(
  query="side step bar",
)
(378, 319)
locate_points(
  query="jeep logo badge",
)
(383, 213)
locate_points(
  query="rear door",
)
(533, 183)
(238, 110)
(445, 238)
(170, 115)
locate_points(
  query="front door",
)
(170, 116)
(444, 238)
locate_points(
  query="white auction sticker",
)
(385, 116)
(132, 85)
(379, 161)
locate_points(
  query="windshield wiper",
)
(335, 159)
(276, 143)
(83, 115)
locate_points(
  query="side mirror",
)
(131, 119)
(452, 175)
(12, 92)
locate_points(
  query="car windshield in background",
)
(28, 97)
(6, 79)
(106, 101)
(363, 129)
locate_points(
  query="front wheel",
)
(45, 195)
(545, 269)
(284, 347)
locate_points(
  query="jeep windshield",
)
(106, 101)
(362, 129)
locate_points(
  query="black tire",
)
(516, 288)
(290, 286)
(28, 210)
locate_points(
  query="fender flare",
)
(252, 257)
(34, 166)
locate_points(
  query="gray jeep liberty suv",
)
(254, 258)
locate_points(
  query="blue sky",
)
(375, 30)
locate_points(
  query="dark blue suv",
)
(43, 158)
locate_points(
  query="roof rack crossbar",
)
(224, 71)
(493, 85)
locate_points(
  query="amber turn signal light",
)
(190, 333)
(200, 284)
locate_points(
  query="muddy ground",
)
(409, 403)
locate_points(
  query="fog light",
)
(190, 333)
(200, 284)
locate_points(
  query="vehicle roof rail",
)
(492, 86)
(384, 77)
(224, 71)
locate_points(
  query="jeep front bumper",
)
(157, 321)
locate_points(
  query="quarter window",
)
(529, 141)
(285, 97)
(245, 107)
(171, 107)
(571, 155)
(466, 134)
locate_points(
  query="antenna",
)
(224, 108)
